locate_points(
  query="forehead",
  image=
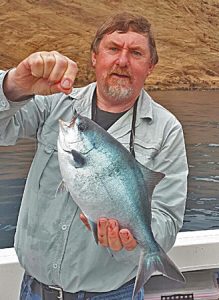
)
(127, 39)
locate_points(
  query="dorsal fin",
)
(151, 178)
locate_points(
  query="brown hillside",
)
(187, 34)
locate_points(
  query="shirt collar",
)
(84, 96)
(145, 110)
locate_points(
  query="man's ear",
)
(151, 68)
(93, 59)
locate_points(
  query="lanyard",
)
(132, 134)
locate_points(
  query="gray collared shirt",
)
(51, 242)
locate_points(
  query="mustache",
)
(119, 71)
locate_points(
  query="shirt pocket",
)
(146, 151)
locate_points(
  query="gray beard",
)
(119, 93)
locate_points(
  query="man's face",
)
(122, 64)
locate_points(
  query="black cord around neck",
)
(132, 134)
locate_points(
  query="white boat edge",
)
(193, 250)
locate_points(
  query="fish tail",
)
(151, 262)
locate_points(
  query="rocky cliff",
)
(187, 35)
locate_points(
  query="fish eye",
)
(82, 127)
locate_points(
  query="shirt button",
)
(48, 149)
(55, 266)
(64, 227)
(3, 103)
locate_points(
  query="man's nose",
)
(123, 58)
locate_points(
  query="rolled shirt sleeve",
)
(21, 119)
(12, 118)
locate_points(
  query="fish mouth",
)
(73, 120)
(67, 146)
(63, 123)
(70, 145)
(70, 124)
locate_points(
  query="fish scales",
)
(105, 180)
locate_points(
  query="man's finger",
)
(59, 67)
(102, 232)
(113, 235)
(56, 88)
(69, 76)
(49, 62)
(127, 239)
(35, 64)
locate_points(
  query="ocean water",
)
(198, 112)
(14, 165)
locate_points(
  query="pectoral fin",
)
(79, 160)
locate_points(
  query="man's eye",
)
(113, 49)
(136, 53)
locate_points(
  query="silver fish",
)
(105, 180)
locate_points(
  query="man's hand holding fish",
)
(110, 235)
